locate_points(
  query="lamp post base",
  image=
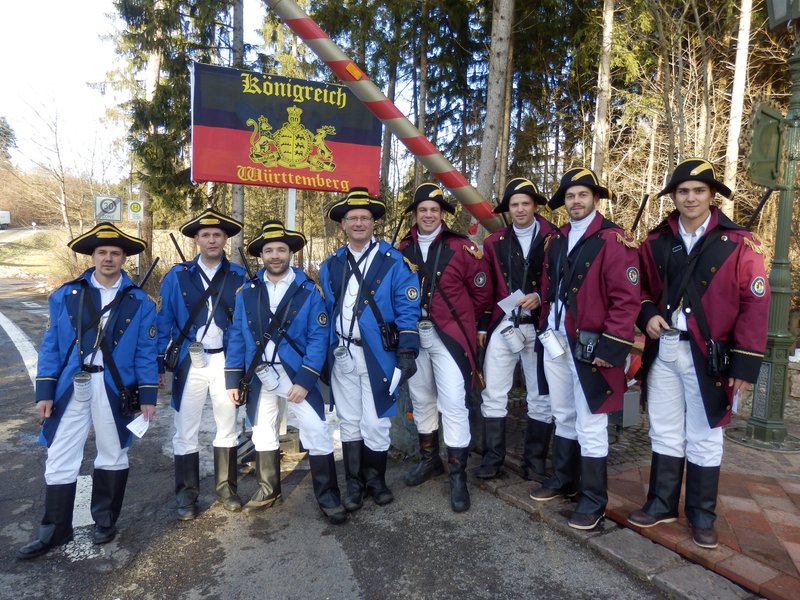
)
(739, 435)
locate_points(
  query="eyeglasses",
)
(358, 219)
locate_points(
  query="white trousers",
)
(438, 386)
(678, 423)
(574, 420)
(65, 454)
(314, 434)
(200, 383)
(355, 406)
(498, 371)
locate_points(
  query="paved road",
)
(414, 548)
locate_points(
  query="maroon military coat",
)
(455, 290)
(731, 283)
(600, 291)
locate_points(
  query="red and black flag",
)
(258, 129)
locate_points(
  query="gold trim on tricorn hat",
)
(430, 191)
(573, 177)
(211, 218)
(696, 169)
(519, 185)
(357, 197)
(106, 234)
(274, 231)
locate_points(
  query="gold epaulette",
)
(475, 251)
(626, 241)
(754, 244)
(411, 265)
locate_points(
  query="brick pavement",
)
(758, 513)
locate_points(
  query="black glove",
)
(407, 364)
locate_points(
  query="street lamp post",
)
(765, 428)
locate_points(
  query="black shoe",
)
(430, 463)
(645, 520)
(585, 521)
(663, 493)
(103, 535)
(226, 478)
(268, 476)
(37, 548)
(374, 469)
(494, 444)
(459, 493)
(187, 485)
(56, 527)
(705, 537)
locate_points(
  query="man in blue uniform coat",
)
(279, 340)
(373, 300)
(197, 299)
(99, 347)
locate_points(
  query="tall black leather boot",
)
(374, 468)
(534, 455)
(664, 492)
(268, 476)
(475, 422)
(494, 445)
(108, 492)
(702, 485)
(566, 471)
(430, 463)
(326, 488)
(354, 476)
(459, 493)
(56, 527)
(187, 485)
(226, 478)
(594, 493)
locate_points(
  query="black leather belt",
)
(685, 336)
(527, 320)
(213, 350)
(91, 368)
(353, 341)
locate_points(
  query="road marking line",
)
(24, 346)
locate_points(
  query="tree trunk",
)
(505, 132)
(502, 17)
(423, 87)
(601, 118)
(737, 104)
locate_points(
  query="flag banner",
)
(258, 129)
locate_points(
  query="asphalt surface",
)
(414, 548)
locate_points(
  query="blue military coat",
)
(301, 348)
(181, 289)
(395, 289)
(131, 331)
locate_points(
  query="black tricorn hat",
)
(696, 169)
(274, 231)
(519, 185)
(430, 191)
(211, 218)
(357, 197)
(577, 176)
(106, 234)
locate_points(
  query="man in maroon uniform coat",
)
(454, 294)
(705, 304)
(515, 256)
(591, 299)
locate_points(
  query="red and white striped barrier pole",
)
(383, 108)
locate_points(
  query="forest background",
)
(503, 88)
